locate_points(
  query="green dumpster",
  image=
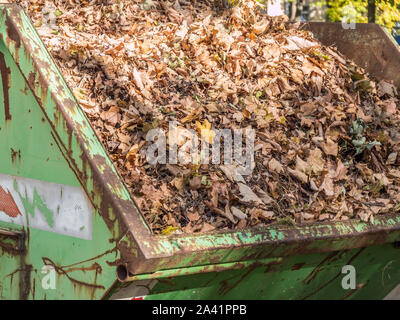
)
(69, 229)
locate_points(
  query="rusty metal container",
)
(69, 229)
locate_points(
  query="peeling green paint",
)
(37, 202)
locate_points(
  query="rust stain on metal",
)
(271, 265)
(167, 281)
(226, 287)
(325, 262)
(15, 243)
(95, 266)
(31, 79)
(11, 242)
(12, 31)
(91, 259)
(8, 205)
(298, 266)
(15, 155)
(5, 79)
(352, 291)
(334, 278)
(8, 248)
(25, 281)
(61, 271)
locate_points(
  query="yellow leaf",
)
(205, 131)
(168, 230)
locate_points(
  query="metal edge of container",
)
(141, 251)
(376, 50)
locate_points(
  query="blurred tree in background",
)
(383, 12)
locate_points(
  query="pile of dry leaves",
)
(327, 137)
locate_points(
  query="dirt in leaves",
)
(326, 144)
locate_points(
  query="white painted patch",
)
(46, 206)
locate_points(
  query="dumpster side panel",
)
(71, 131)
(41, 199)
(313, 276)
